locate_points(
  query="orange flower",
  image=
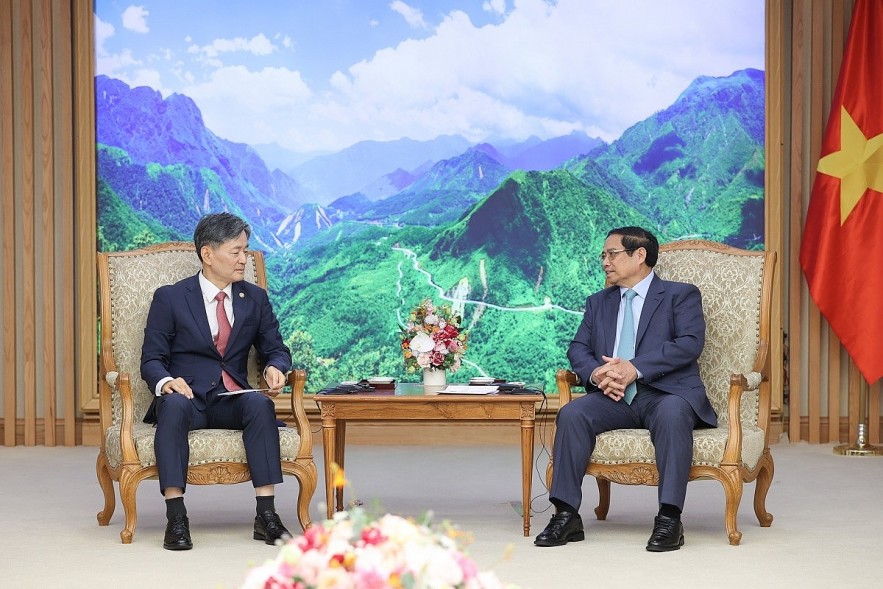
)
(338, 477)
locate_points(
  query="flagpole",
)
(860, 447)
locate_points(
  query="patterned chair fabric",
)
(736, 288)
(127, 281)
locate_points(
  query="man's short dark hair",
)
(635, 237)
(215, 229)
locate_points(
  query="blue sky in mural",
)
(319, 76)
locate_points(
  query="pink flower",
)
(372, 536)
(467, 565)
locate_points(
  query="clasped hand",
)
(614, 376)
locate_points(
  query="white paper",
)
(468, 390)
(239, 392)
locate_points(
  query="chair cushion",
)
(206, 445)
(633, 445)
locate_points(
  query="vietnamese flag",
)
(842, 249)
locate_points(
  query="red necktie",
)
(224, 330)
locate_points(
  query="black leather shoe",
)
(565, 527)
(668, 534)
(268, 527)
(178, 534)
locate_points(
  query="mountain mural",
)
(507, 229)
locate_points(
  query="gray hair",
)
(216, 229)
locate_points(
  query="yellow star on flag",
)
(858, 164)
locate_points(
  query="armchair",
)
(126, 284)
(736, 288)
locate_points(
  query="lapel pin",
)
(242, 295)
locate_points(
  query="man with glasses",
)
(196, 343)
(636, 350)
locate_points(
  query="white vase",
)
(435, 377)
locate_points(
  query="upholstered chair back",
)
(133, 279)
(731, 283)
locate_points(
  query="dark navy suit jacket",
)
(670, 338)
(178, 340)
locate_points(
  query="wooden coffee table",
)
(412, 402)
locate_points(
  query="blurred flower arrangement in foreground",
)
(354, 550)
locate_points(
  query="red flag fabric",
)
(842, 248)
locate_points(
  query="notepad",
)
(240, 391)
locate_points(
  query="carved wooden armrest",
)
(122, 385)
(565, 379)
(298, 379)
(739, 384)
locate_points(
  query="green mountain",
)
(695, 168)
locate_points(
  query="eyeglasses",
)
(610, 254)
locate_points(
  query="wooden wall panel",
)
(36, 179)
(9, 359)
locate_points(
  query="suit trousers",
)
(254, 413)
(670, 419)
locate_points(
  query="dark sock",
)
(266, 503)
(562, 506)
(175, 507)
(669, 510)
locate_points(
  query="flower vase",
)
(435, 377)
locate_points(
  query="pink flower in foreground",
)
(372, 536)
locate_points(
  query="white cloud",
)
(135, 19)
(413, 16)
(594, 66)
(123, 65)
(103, 31)
(545, 69)
(254, 107)
(257, 45)
(495, 6)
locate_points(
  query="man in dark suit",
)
(196, 343)
(636, 349)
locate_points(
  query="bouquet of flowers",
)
(432, 338)
(352, 551)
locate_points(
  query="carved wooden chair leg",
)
(307, 488)
(128, 489)
(106, 483)
(764, 480)
(603, 498)
(733, 493)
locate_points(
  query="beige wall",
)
(48, 342)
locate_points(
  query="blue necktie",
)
(626, 349)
